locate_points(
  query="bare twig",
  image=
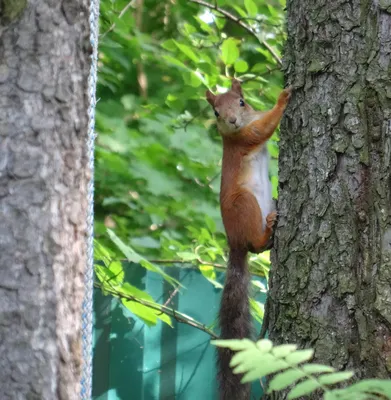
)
(172, 295)
(126, 8)
(239, 22)
(259, 21)
(162, 308)
(220, 266)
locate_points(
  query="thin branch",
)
(203, 262)
(126, 8)
(239, 22)
(172, 295)
(162, 308)
(190, 264)
(259, 21)
(219, 266)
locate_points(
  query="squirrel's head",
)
(231, 110)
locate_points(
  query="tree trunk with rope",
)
(331, 280)
(44, 67)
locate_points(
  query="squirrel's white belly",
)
(258, 182)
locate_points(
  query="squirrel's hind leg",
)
(265, 240)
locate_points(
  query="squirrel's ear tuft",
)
(236, 87)
(210, 97)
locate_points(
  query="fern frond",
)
(256, 360)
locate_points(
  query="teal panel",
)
(118, 350)
(152, 345)
(195, 357)
(136, 362)
(168, 345)
(101, 333)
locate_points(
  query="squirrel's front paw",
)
(285, 95)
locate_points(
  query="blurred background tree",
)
(158, 152)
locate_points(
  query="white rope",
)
(87, 310)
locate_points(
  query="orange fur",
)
(245, 194)
(241, 213)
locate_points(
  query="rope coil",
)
(87, 306)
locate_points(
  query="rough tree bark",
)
(44, 65)
(331, 284)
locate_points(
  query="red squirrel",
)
(247, 210)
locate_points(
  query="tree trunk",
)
(331, 283)
(44, 67)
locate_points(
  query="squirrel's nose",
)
(232, 120)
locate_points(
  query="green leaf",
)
(336, 377)
(284, 350)
(333, 396)
(187, 256)
(131, 290)
(195, 79)
(165, 318)
(101, 252)
(240, 66)
(257, 310)
(169, 45)
(272, 148)
(271, 366)
(190, 29)
(154, 268)
(148, 314)
(240, 11)
(187, 51)
(235, 344)
(274, 181)
(176, 62)
(316, 368)
(204, 26)
(145, 313)
(373, 386)
(264, 345)
(229, 51)
(284, 379)
(132, 256)
(299, 356)
(220, 22)
(303, 388)
(208, 271)
(104, 274)
(251, 8)
(128, 252)
(244, 360)
(117, 270)
(210, 223)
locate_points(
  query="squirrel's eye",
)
(216, 113)
(241, 102)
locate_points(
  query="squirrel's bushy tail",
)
(235, 323)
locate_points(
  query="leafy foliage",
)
(158, 159)
(290, 367)
(158, 153)
(110, 274)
